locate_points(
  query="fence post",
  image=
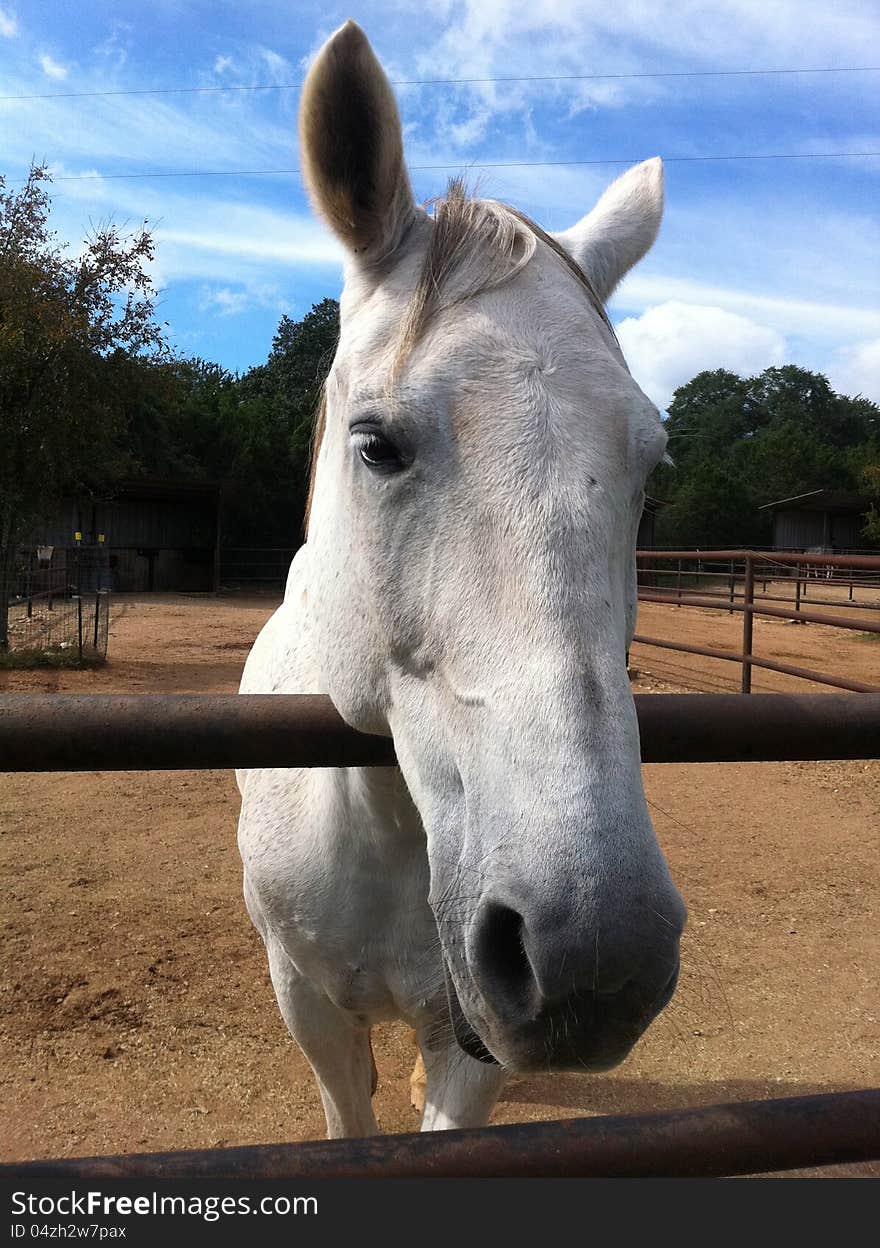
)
(797, 589)
(732, 585)
(97, 617)
(79, 625)
(28, 584)
(679, 582)
(748, 621)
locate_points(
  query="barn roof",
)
(163, 489)
(821, 500)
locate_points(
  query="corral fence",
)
(74, 733)
(678, 577)
(58, 603)
(255, 567)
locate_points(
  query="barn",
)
(151, 535)
(819, 522)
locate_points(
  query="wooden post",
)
(732, 588)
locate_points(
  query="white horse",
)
(467, 588)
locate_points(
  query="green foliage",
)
(294, 374)
(67, 326)
(739, 443)
(64, 324)
(192, 420)
(871, 482)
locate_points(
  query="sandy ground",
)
(135, 1007)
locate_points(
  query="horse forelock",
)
(476, 245)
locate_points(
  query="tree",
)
(67, 324)
(298, 364)
(274, 421)
(871, 481)
(740, 442)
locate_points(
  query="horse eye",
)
(377, 452)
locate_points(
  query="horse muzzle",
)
(588, 1031)
(541, 988)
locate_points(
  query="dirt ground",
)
(135, 1007)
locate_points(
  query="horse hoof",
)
(417, 1082)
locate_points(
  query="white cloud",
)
(201, 233)
(8, 25)
(159, 133)
(654, 29)
(506, 38)
(52, 69)
(253, 235)
(856, 370)
(787, 316)
(115, 48)
(279, 67)
(670, 343)
(228, 301)
(222, 63)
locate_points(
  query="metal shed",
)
(820, 522)
(153, 535)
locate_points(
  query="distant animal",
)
(467, 588)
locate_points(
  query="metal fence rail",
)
(788, 558)
(745, 1137)
(178, 732)
(754, 566)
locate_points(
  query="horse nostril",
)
(500, 958)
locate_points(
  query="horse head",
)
(476, 497)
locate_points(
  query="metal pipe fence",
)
(745, 1137)
(755, 565)
(76, 733)
(179, 732)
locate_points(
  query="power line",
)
(477, 164)
(456, 82)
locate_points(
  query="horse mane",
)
(476, 245)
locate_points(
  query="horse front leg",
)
(337, 1050)
(459, 1090)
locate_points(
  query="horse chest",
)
(350, 910)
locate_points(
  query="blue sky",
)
(758, 262)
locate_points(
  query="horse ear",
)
(351, 146)
(608, 241)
